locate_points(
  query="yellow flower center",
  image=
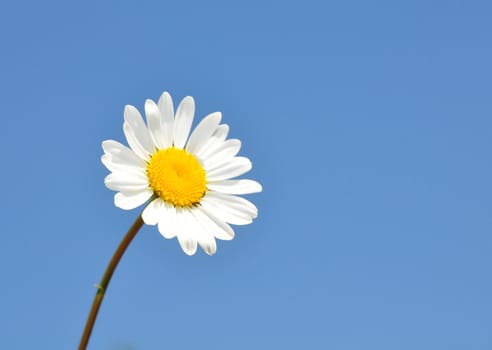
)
(177, 177)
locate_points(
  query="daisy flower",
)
(188, 181)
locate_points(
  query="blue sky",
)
(369, 125)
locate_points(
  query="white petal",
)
(127, 177)
(223, 154)
(233, 203)
(154, 121)
(204, 236)
(217, 139)
(241, 186)
(112, 146)
(207, 242)
(183, 121)
(166, 108)
(236, 167)
(167, 218)
(218, 228)
(121, 166)
(131, 200)
(126, 182)
(121, 154)
(203, 132)
(134, 143)
(150, 215)
(221, 132)
(224, 213)
(185, 231)
(136, 132)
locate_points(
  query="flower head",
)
(188, 180)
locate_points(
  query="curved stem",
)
(101, 288)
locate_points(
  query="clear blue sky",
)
(369, 124)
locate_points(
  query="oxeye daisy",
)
(189, 182)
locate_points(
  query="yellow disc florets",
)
(177, 177)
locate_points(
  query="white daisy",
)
(188, 180)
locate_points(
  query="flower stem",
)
(103, 285)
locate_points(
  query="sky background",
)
(369, 125)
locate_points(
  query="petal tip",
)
(128, 108)
(104, 144)
(189, 252)
(149, 103)
(259, 188)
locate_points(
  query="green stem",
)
(103, 285)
